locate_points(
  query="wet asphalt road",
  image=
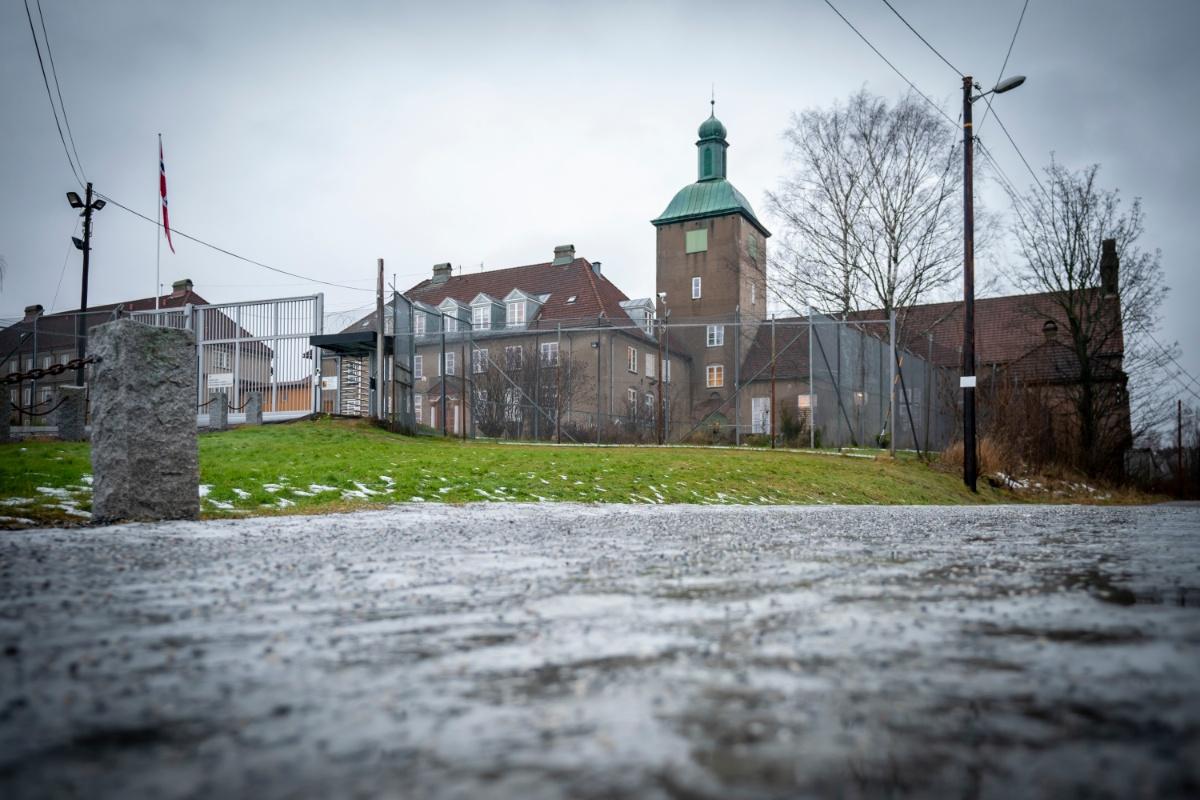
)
(607, 651)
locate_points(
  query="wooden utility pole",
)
(771, 412)
(1179, 444)
(659, 412)
(380, 411)
(81, 321)
(967, 382)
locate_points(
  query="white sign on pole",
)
(220, 380)
(966, 382)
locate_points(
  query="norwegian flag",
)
(162, 190)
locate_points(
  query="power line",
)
(945, 60)
(1013, 142)
(895, 69)
(1166, 351)
(63, 271)
(1004, 66)
(58, 89)
(45, 80)
(232, 254)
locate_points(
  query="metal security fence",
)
(256, 346)
(810, 381)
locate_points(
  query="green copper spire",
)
(712, 147)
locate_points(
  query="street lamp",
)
(88, 205)
(967, 381)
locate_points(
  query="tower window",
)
(716, 376)
(707, 162)
(696, 288)
(716, 335)
(752, 247)
(697, 240)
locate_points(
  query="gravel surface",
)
(553, 651)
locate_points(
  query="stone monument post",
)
(254, 408)
(144, 455)
(218, 412)
(71, 414)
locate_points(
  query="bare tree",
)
(1110, 302)
(870, 212)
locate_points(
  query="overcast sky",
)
(319, 136)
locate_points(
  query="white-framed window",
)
(666, 370)
(481, 317)
(696, 288)
(29, 363)
(479, 360)
(64, 358)
(514, 356)
(651, 369)
(481, 397)
(419, 323)
(753, 293)
(632, 398)
(418, 367)
(47, 360)
(716, 335)
(221, 359)
(650, 403)
(696, 241)
(451, 323)
(516, 313)
(418, 406)
(631, 359)
(715, 376)
(550, 354)
(450, 362)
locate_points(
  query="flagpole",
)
(158, 230)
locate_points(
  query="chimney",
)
(563, 254)
(596, 268)
(180, 288)
(1110, 267)
(1050, 330)
(33, 312)
(442, 272)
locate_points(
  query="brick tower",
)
(711, 263)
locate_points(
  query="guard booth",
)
(350, 368)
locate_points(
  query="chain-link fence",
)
(801, 381)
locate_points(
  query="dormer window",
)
(516, 314)
(419, 323)
(571, 300)
(481, 318)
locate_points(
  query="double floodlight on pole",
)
(967, 382)
(85, 244)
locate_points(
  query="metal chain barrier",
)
(239, 408)
(56, 369)
(206, 405)
(31, 412)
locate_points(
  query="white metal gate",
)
(257, 346)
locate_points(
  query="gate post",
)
(254, 402)
(218, 412)
(144, 455)
(71, 413)
(5, 417)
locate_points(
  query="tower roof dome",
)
(712, 128)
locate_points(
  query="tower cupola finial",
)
(712, 145)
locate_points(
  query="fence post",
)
(5, 417)
(254, 403)
(144, 455)
(69, 416)
(218, 412)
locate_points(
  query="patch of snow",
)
(205, 488)
(18, 501)
(272, 487)
(301, 493)
(221, 504)
(285, 503)
(415, 499)
(387, 479)
(316, 487)
(54, 492)
(242, 493)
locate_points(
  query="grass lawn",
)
(335, 465)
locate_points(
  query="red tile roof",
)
(594, 294)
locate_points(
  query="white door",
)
(760, 414)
